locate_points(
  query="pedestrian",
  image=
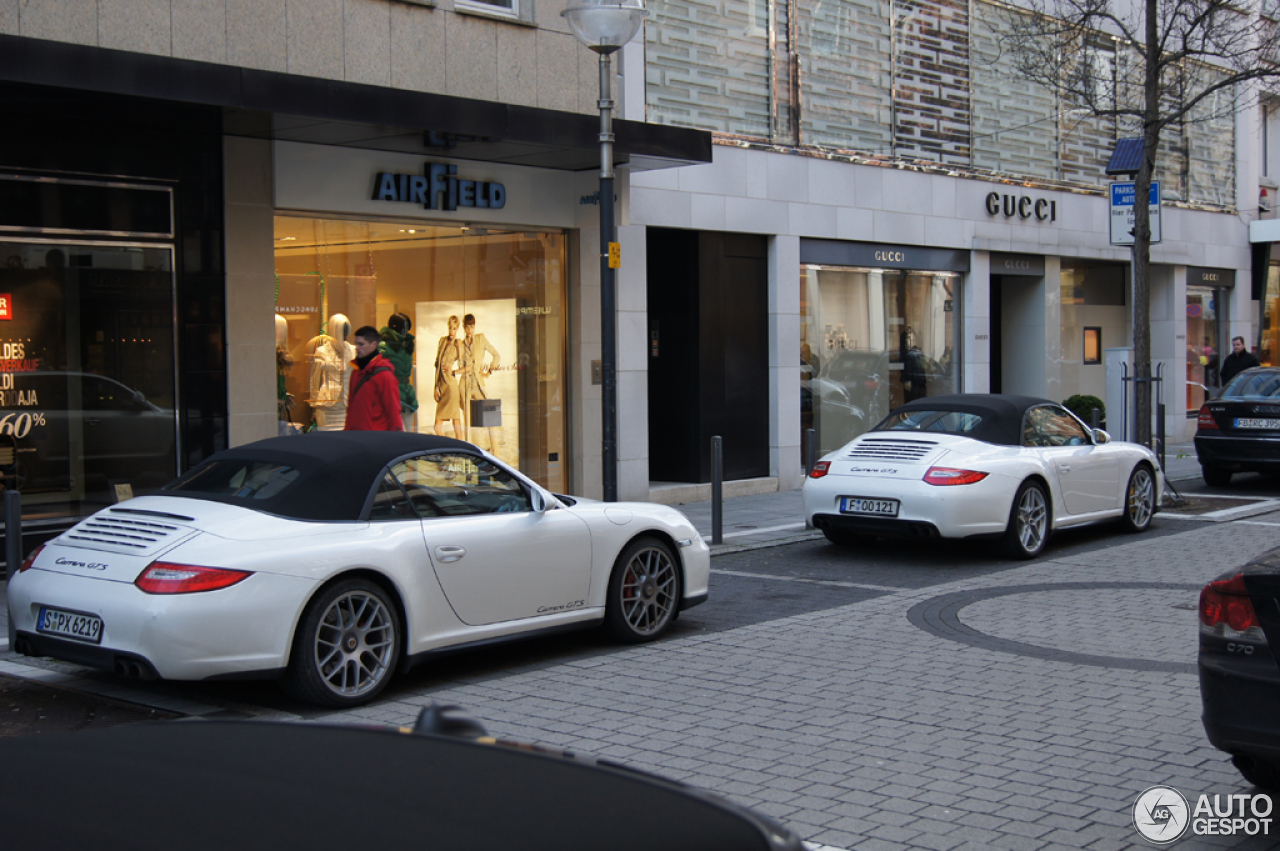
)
(373, 400)
(1238, 361)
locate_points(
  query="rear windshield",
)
(1253, 385)
(241, 479)
(948, 422)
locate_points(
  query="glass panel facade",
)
(473, 320)
(871, 339)
(930, 80)
(87, 395)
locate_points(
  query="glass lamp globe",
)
(605, 25)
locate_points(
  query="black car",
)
(1239, 430)
(1239, 676)
(448, 786)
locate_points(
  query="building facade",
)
(927, 222)
(824, 210)
(208, 198)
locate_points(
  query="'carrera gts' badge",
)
(550, 610)
(888, 470)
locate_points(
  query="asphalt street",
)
(903, 695)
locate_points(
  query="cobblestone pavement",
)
(1020, 709)
(866, 726)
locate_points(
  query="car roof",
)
(1001, 414)
(337, 469)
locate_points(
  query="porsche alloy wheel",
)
(1139, 499)
(1028, 529)
(644, 591)
(346, 647)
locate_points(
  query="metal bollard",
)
(1095, 419)
(717, 490)
(12, 532)
(810, 449)
(12, 546)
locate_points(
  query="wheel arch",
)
(1039, 479)
(377, 578)
(665, 537)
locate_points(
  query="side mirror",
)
(1100, 437)
(537, 501)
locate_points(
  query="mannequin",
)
(397, 346)
(329, 357)
(284, 361)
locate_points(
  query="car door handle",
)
(448, 554)
(1066, 468)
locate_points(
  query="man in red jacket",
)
(373, 400)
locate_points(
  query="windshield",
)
(948, 422)
(1253, 385)
(242, 479)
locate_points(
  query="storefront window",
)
(472, 319)
(87, 400)
(1269, 342)
(1203, 347)
(871, 339)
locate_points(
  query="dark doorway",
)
(994, 336)
(708, 354)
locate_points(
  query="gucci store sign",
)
(1017, 264)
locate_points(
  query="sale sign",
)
(6, 306)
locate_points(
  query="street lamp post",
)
(605, 26)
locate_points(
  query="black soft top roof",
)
(1001, 415)
(337, 469)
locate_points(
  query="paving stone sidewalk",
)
(861, 729)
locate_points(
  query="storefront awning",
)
(274, 105)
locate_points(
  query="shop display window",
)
(1269, 339)
(1204, 349)
(471, 318)
(870, 340)
(87, 387)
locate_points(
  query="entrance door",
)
(708, 341)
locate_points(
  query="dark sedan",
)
(1239, 677)
(1239, 430)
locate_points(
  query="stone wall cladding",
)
(357, 41)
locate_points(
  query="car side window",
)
(444, 484)
(1046, 426)
(390, 502)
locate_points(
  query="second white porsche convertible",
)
(331, 560)
(977, 465)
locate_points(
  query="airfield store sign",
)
(439, 188)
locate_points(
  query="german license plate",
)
(1255, 422)
(77, 625)
(868, 505)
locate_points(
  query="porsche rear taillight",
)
(1227, 612)
(30, 560)
(1206, 420)
(163, 578)
(953, 476)
(820, 469)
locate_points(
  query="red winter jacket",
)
(373, 401)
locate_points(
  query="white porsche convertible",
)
(332, 560)
(977, 465)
